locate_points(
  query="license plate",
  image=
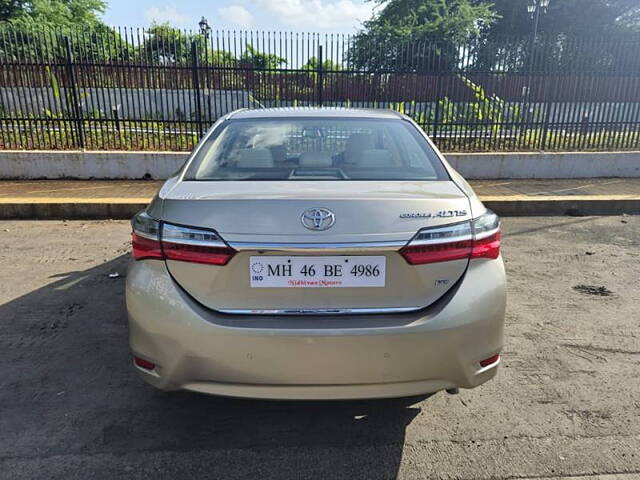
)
(317, 272)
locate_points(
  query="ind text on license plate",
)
(318, 272)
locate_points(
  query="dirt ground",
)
(566, 402)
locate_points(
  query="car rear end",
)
(316, 277)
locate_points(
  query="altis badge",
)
(439, 214)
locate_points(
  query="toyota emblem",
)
(318, 218)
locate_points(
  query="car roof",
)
(316, 112)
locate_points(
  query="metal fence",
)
(160, 89)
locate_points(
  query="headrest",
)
(316, 159)
(375, 158)
(255, 158)
(356, 143)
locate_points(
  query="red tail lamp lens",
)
(478, 238)
(489, 361)
(145, 247)
(488, 247)
(152, 239)
(443, 252)
(142, 363)
(197, 253)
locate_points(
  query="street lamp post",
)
(205, 30)
(534, 7)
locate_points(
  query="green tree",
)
(253, 57)
(38, 28)
(577, 18)
(383, 43)
(572, 33)
(55, 13)
(166, 44)
(313, 64)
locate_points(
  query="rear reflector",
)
(489, 361)
(142, 363)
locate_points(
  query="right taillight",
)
(486, 236)
(478, 238)
(165, 241)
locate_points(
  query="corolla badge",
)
(439, 214)
(318, 218)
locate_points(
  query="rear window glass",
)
(316, 149)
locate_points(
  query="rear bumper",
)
(341, 357)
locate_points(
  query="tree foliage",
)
(399, 22)
(38, 28)
(577, 18)
(165, 44)
(392, 38)
(327, 65)
(257, 59)
(571, 34)
(54, 13)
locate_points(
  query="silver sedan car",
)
(316, 253)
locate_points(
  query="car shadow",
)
(68, 391)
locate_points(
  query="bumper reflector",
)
(489, 361)
(142, 363)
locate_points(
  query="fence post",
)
(545, 124)
(196, 85)
(320, 75)
(75, 98)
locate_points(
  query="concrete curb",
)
(503, 207)
(77, 211)
(571, 207)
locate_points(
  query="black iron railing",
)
(160, 89)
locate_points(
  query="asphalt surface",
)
(565, 404)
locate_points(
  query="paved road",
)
(566, 402)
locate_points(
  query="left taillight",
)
(153, 239)
(188, 244)
(478, 238)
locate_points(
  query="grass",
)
(32, 134)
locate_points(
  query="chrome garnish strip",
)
(319, 247)
(319, 311)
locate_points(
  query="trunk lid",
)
(263, 218)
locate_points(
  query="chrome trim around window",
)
(318, 247)
(319, 311)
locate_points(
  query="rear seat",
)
(316, 160)
(375, 158)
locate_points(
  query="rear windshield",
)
(316, 149)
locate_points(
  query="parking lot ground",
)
(565, 404)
